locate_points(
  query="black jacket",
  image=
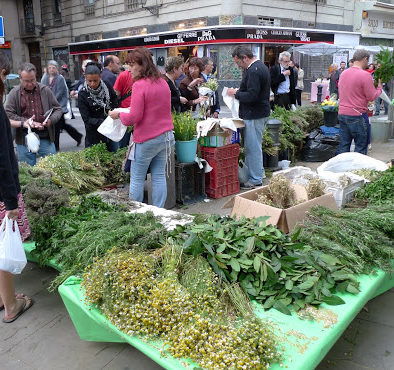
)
(254, 92)
(93, 115)
(277, 77)
(9, 183)
(175, 95)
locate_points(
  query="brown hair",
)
(173, 62)
(195, 62)
(143, 57)
(4, 64)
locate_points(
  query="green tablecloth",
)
(32, 256)
(305, 342)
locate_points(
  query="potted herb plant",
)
(185, 136)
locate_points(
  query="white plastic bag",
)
(12, 254)
(32, 141)
(68, 115)
(113, 129)
(351, 161)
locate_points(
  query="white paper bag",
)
(113, 129)
(12, 254)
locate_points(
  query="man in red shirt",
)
(356, 89)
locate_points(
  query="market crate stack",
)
(190, 183)
(223, 179)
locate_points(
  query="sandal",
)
(18, 295)
(28, 302)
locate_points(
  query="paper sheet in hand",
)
(231, 102)
(113, 129)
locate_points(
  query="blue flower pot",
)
(186, 150)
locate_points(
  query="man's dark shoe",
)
(249, 186)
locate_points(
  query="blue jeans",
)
(352, 127)
(377, 106)
(253, 139)
(46, 147)
(153, 153)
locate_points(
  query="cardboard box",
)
(245, 204)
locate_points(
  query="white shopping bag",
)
(12, 254)
(113, 129)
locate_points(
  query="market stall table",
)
(305, 342)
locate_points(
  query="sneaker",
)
(249, 186)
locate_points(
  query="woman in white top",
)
(300, 83)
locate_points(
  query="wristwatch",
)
(22, 124)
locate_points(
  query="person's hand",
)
(196, 81)
(13, 214)
(183, 100)
(37, 125)
(380, 84)
(199, 100)
(231, 91)
(215, 115)
(286, 73)
(114, 114)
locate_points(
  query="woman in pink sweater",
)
(150, 114)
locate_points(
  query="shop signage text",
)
(212, 36)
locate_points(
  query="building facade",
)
(72, 30)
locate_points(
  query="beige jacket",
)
(48, 101)
(300, 80)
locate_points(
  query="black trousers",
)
(282, 100)
(62, 125)
(298, 96)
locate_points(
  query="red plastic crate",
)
(223, 152)
(223, 172)
(223, 191)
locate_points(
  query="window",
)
(57, 11)
(131, 4)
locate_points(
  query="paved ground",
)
(44, 338)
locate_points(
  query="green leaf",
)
(282, 308)
(257, 264)
(249, 244)
(193, 245)
(269, 303)
(352, 289)
(326, 292)
(220, 234)
(221, 248)
(235, 265)
(309, 283)
(328, 259)
(289, 284)
(264, 273)
(334, 300)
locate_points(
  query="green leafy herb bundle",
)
(362, 239)
(385, 71)
(268, 265)
(291, 135)
(86, 170)
(43, 200)
(76, 235)
(380, 190)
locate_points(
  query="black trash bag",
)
(319, 147)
